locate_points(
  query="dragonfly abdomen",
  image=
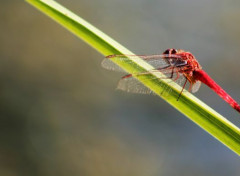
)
(206, 79)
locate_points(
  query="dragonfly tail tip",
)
(237, 108)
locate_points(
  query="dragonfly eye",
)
(174, 51)
(166, 51)
(170, 51)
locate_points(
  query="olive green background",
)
(60, 113)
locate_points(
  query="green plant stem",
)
(193, 108)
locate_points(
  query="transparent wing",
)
(110, 65)
(131, 84)
(196, 86)
(157, 61)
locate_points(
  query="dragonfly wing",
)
(196, 86)
(157, 61)
(110, 65)
(132, 85)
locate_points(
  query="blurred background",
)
(60, 113)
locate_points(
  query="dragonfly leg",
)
(182, 89)
(172, 73)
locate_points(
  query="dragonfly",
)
(177, 65)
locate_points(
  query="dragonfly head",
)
(180, 53)
(170, 51)
(174, 51)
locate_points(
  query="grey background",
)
(60, 113)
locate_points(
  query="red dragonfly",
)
(178, 65)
